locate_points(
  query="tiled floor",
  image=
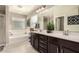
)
(21, 47)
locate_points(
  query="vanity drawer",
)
(42, 50)
(43, 45)
(43, 41)
(42, 37)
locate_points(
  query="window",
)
(34, 21)
(18, 23)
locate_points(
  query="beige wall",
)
(40, 18)
(66, 11)
(48, 13)
(61, 10)
(7, 22)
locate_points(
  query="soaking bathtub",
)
(18, 38)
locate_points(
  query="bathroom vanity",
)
(54, 43)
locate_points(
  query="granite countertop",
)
(59, 34)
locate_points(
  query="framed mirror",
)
(59, 23)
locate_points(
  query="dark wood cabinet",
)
(42, 50)
(36, 43)
(31, 38)
(67, 50)
(47, 44)
(34, 40)
(69, 46)
(43, 44)
(53, 46)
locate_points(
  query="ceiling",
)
(23, 9)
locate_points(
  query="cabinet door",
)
(32, 38)
(69, 46)
(35, 42)
(52, 48)
(67, 50)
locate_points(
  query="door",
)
(52, 48)
(67, 50)
(2, 30)
(36, 43)
(34, 40)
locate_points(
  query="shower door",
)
(2, 30)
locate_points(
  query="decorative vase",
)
(49, 31)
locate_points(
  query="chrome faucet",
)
(66, 32)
